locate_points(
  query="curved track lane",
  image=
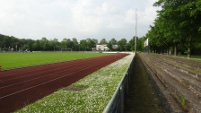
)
(20, 87)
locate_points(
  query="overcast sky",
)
(34, 19)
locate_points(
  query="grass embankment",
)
(89, 95)
(16, 60)
(141, 97)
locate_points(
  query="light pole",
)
(0, 45)
(135, 29)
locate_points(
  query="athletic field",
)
(17, 60)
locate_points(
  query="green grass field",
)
(17, 60)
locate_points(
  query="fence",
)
(116, 104)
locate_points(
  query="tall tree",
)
(112, 43)
(180, 21)
(83, 44)
(75, 46)
(103, 41)
(95, 41)
(122, 44)
(90, 44)
(66, 43)
(37, 46)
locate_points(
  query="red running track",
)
(20, 87)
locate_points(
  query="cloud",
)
(75, 18)
(84, 18)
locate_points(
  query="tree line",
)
(177, 27)
(11, 43)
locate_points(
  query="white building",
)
(114, 46)
(102, 48)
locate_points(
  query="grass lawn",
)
(89, 95)
(16, 60)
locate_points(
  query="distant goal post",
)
(66, 50)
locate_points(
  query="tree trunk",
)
(189, 50)
(168, 51)
(175, 50)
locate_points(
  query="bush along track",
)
(178, 81)
(89, 95)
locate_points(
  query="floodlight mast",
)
(135, 30)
